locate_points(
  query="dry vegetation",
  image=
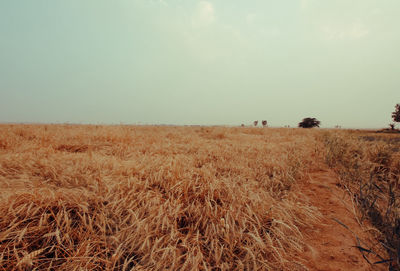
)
(178, 198)
(152, 198)
(369, 166)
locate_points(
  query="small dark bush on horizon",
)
(309, 123)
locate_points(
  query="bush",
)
(309, 123)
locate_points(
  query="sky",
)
(202, 62)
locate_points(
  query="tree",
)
(309, 123)
(255, 122)
(264, 123)
(396, 113)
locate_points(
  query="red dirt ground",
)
(331, 246)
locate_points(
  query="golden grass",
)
(153, 198)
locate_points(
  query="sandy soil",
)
(332, 246)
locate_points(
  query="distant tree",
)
(255, 122)
(309, 123)
(391, 126)
(396, 114)
(264, 123)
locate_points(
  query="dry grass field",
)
(183, 198)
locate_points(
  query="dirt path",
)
(330, 245)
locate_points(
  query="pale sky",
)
(200, 62)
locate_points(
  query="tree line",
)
(313, 122)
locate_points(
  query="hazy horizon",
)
(200, 62)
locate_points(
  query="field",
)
(80, 197)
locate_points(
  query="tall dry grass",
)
(369, 166)
(152, 198)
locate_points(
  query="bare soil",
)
(332, 245)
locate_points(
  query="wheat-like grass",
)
(153, 198)
(28, 258)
